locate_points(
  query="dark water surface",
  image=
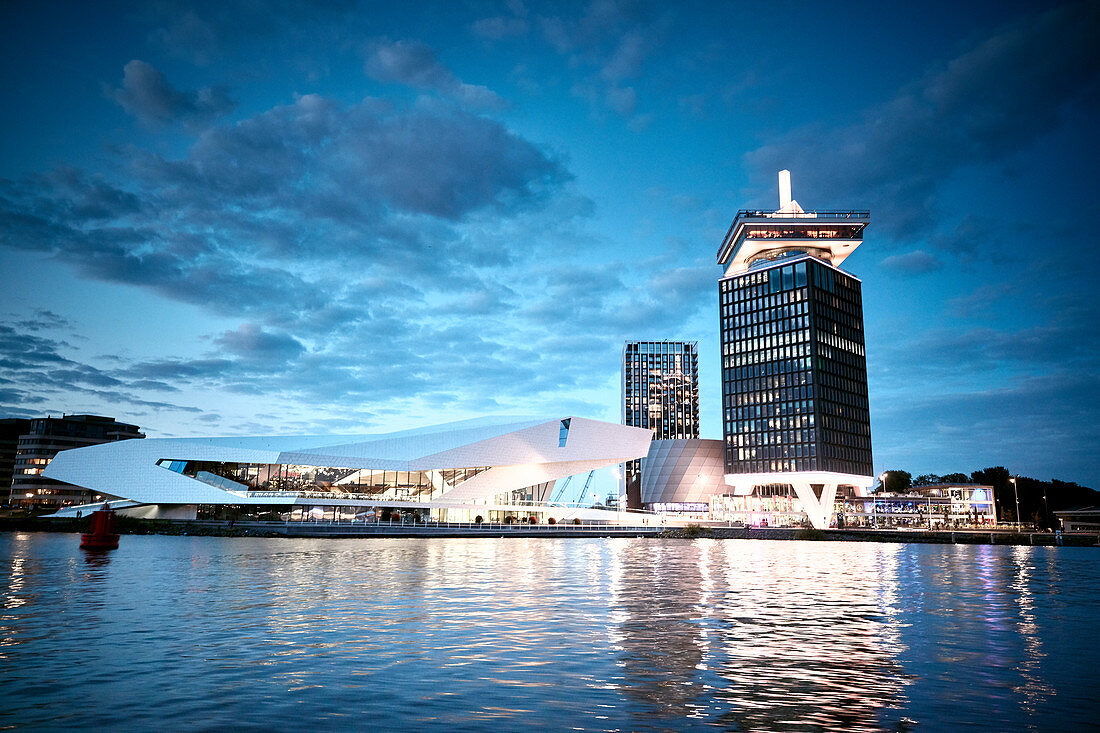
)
(203, 633)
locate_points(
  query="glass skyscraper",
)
(794, 370)
(660, 390)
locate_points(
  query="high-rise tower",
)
(794, 372)
(660, 392)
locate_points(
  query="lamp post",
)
(875, 501)
(1016, 491)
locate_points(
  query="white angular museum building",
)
(494, 468)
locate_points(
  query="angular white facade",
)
(445, 466)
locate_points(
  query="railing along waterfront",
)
(475, 526)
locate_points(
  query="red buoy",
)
(101, 537)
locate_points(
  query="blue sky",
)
(239, 217)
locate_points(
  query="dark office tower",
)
(794, 372)
(43, 439)
(10, 430)
(660, 392)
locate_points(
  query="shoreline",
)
(219, 528)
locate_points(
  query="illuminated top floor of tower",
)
(759, 237)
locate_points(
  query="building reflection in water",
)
(748, 638)
(1032, 689)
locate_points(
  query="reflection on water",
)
(617, 634)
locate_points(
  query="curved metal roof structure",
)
(511, 453)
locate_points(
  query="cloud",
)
(626, 59)
(44, 319)
(147, 94)
(982, 106)
(248, 221)
(414, 64)
(252, 342)
(503, 26)
(611, 41)
(37, 371)
(917, 262)
(372, 254)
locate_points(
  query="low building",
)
(923, 507)
(43, 440)
(1080, 519)
(939, 506)
(494, 469)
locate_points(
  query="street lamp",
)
(1016, 491)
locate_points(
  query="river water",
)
(203, 633)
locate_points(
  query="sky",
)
(243, 217)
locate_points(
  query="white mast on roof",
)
(787, 205)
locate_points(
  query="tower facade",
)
(660, 391)
(794, 369)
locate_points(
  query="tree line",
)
(1038, 499)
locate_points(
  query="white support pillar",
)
(818, 510)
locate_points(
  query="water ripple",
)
(193, 633)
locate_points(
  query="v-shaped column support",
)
(818, 510)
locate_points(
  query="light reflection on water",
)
(592, 634)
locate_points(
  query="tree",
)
(998, 477)
(927, 479)
(955, 478)
(897, 482)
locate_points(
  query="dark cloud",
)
(415, 64)
(360, 162)
(15, 397)
(982, 106)
(305, 183)
(43, 319)
(612, 303)
(35, 367)
(612, 41)
(917, 262)
(147, 94)
(252, 342)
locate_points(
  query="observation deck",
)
(754, 235)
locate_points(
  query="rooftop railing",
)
(829, 214)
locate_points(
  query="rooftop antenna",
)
(787, 205)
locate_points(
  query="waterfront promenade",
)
(224, 528)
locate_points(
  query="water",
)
(202, 633)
